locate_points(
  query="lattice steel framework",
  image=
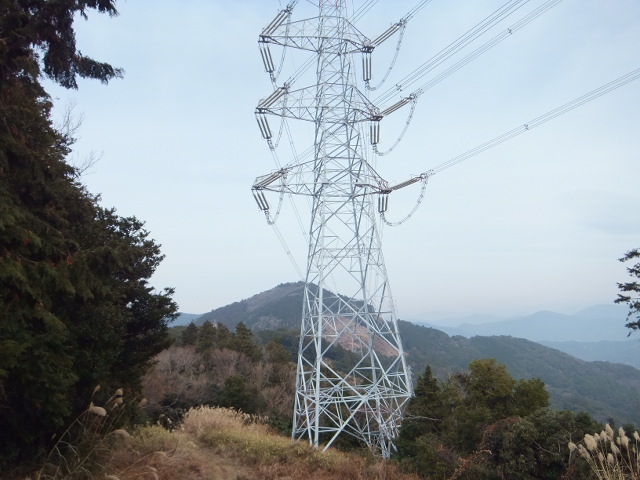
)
(352, 377)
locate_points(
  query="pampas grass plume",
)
(101, 412)
(609, 430)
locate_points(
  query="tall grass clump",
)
(151, 452)
(95, 447)
(235, 432)
(610, 455)
(251, 441)
(78, 452)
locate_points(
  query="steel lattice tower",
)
(352, 376)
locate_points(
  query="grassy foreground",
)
(214, 443)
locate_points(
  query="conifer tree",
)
(425, 417)
(244, 342)
(224, 336)
(631, 290)
(277, 354)
(76, 307)
(190, 335)
(207, 337)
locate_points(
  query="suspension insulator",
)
(374, 131)
(383, 202)
(366, 65)
(388, 32)
(261, 200)
(273, 97)
(266, 180)
(267, 59)
(263, 124)
(406, 183)
(399, 104)
(276, 22)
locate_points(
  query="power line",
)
(550, 115)
(473, 34)
(488, 45)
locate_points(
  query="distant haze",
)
(597, 323)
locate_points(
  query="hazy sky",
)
(535, 223)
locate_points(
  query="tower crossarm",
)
(298, 179)
(304, 35)
(302, 104)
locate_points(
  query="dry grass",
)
(155, 453)
(248, 440)
(217, 443)
(79, 450)
(611, 455)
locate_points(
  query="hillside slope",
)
(627, 352)
(211, 443)
(277, 308)
(605, 390)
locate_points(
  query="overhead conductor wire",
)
(550, 115)
(556, 112)
(470, 36)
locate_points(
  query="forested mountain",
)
(605, 390)
(277, 308)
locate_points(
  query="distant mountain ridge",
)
(605, 390)
(627, 352)
(594, 324)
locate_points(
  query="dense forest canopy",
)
(77, 309)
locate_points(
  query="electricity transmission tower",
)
(352, 377)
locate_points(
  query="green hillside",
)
(273, 309)
(605, 390)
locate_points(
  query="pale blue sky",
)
(536, 223)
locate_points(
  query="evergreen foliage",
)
(30, 27)
(189, 335)
(224, 336)
(536, 446)
(244, 342)
(276, 353)
(237, 394)
(206, 337)
(77, 309)
(631, 290)
(603, 389)
(445, 422)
